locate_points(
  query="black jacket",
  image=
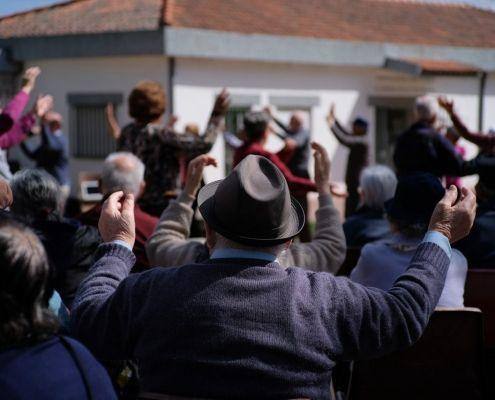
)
(479, 247)
(422, 149)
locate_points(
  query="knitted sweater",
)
(243, 329)
(170, 246)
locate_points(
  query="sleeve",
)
(53, 142)
(370, 322)
(12, 111)
(326, 252)
(28, 152)
(282, 126)
(342, 135)
(18, 132)
(477, 138)
(106, 303)
(169, 245)
(296, 184)
(452, 163)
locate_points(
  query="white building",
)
(370, 57)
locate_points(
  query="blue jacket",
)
(48, 371)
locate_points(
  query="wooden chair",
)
(446, 363)
(351, 259)
(479, 292)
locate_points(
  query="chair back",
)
(351, 259)
(446, 363)
(479, 292)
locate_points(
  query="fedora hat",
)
(252, 205)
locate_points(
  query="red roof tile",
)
(396, 21)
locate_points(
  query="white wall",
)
(197, 82)
(96, 75)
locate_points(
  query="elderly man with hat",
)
(409, 212)
(240, 326)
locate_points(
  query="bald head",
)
(122, 171)
(296, 121)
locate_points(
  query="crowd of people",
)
(121, 302)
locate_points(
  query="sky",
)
(11, 6)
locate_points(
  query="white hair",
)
(426, 108)
(221, 242)
(122, 171)
(378, 185)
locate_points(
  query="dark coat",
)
(479, 246)
(48, 371)
(365, 226)
(422, 149)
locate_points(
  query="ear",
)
(288, 244)
(211, 237)
(142, 186)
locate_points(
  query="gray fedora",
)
(252, 205)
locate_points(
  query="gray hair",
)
(426, 108)
(378, 185)
(36, 194)
(122, 171)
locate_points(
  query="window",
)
(233, 124)
(87, 124)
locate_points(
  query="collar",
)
(244, 254)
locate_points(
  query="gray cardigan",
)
(242, 329)
(170, 246)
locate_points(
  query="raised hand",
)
(454, 218)
(29, 78)
(117, 219)
(447, 105)
(43, 105)
(331, 114)
(195, 173)
(322, 168)
(222, 103)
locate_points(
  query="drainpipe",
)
(481, 103)
(171, 76)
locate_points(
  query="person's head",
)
(415, 198)
(24, 268)
(359, 126)
(377, 185)
(36, 194)
(256, 126)
(452, 135)
(147, 102)
(296, 121)
(122, 171)
(251, 209)
(53, 120)
(426, 109)
(192, 129)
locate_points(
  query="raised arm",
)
(23, 126)
(170, 245)
(113, 127)
(327, 250)
(103, 302)
(477, 138)
(343, 136)
(381, 321)
(296, 183)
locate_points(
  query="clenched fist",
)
(117, 219)
(453, 218)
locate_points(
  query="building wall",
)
(197, 81)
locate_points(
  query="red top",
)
(296, 184)
(145, 225)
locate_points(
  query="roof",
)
(418, 67)
(392, 21)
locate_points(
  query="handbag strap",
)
(72, 352)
